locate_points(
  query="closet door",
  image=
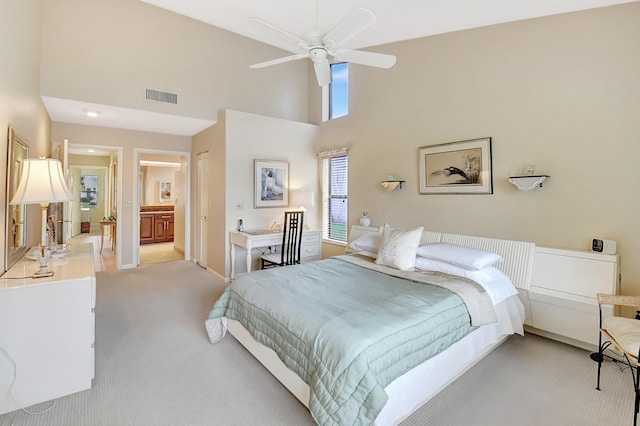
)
(203, 209)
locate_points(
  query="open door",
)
(60, 212)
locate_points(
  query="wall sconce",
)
(391, 184)
(528, 183)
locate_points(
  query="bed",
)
(396, 359)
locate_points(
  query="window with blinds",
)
(335, 201)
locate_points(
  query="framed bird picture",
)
(456, 168)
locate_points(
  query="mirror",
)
(16, 216)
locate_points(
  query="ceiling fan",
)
(321, 48)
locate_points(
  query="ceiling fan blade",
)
(300, 43)
(380, 60)
(279, 60)
(356, 22)
(323, 72)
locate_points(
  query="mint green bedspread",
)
(347, 331)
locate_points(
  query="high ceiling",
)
(396, 20)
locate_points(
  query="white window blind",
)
(335, 191)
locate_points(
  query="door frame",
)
(118, 150)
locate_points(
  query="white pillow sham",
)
(398, 249)
(465, 257)
(368, 242)
(497, 285)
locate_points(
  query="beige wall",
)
(233, 144)
(20, 103)
(561, 92)
(109, 52)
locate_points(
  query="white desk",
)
(47, 327)
(310, 248)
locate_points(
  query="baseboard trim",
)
(560, 338)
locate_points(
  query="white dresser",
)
(47, 329)
(561, 302)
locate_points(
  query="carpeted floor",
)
(155, 366)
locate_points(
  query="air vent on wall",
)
(157, 95)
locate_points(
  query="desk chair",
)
(623, 334)
(291, 241)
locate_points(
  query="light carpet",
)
(155, 366)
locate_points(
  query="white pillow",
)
(367, 242)
(398, 249)
(465, 257)
(497, 285)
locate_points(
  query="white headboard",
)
(517, 255)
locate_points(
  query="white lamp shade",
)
(302, 198)
(42, 182)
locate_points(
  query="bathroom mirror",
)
(16, 215)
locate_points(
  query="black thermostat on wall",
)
(603, 246)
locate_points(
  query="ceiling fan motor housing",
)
(318, 55)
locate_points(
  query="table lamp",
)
(300, 199)
(42, 182)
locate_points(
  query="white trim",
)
(336, 152)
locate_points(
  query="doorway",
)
(92, 173)
(162, 200)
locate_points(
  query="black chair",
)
(624, 334)
(291, 241)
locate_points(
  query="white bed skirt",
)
(411, 390)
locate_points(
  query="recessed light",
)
(92, 114)
(91, 150)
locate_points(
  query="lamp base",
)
(43, 258)
(43, 272)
